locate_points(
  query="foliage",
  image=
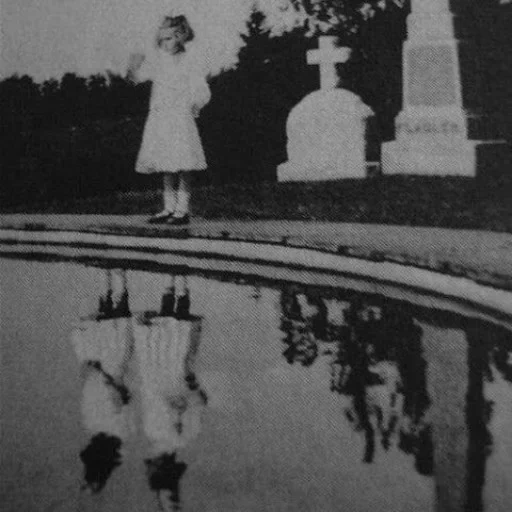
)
(67, 137)
(340, 17)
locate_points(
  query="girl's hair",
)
(179, 23)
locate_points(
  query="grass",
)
(453, 202)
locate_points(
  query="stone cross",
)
(327, 56)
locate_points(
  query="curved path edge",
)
(265, 259)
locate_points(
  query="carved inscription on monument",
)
(431, 76)
(430, 126)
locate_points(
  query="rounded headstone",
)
(326, 137)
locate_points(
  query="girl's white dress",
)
(166, 350)
(171, 140)
(108, 342)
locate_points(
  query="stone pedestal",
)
(433, 136)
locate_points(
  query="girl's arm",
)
(134, 64)
(202, 95)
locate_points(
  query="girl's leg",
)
(170, 182)
(182, 298)
(170, 191)
(183, 195)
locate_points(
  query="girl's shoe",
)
(168, 303)
(183, 307)
(178, 221)
(161, 217)
(100, 457)
(164, 474)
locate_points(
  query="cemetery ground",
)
(453, 225)
(436, 201)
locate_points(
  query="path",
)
(483, 256)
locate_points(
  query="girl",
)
(171, 144)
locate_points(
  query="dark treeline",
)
(69, 137)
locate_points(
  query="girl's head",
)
(173, 33)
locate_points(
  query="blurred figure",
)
(300, 340)
(363, 368)
(336, 328)
(301, 344)
(384, 399)
(315, 313)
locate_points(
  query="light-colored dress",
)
(171, 140)
(107, 342)
(166, 349)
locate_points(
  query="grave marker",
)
(326, 130)
(432, 135)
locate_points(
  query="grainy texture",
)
(307, 346)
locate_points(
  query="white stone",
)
(327, 56)
(427, 159)
(431, 130)
(326, 137)
(430, 20)
(433, 6)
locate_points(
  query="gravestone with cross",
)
(433, 132)
(326, 130)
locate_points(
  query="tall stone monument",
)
(326, 130)
(432, 130)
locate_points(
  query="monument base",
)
(461, 158)
(458, 159)
(291, 171)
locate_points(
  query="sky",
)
(41, 38)
(46, 38)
